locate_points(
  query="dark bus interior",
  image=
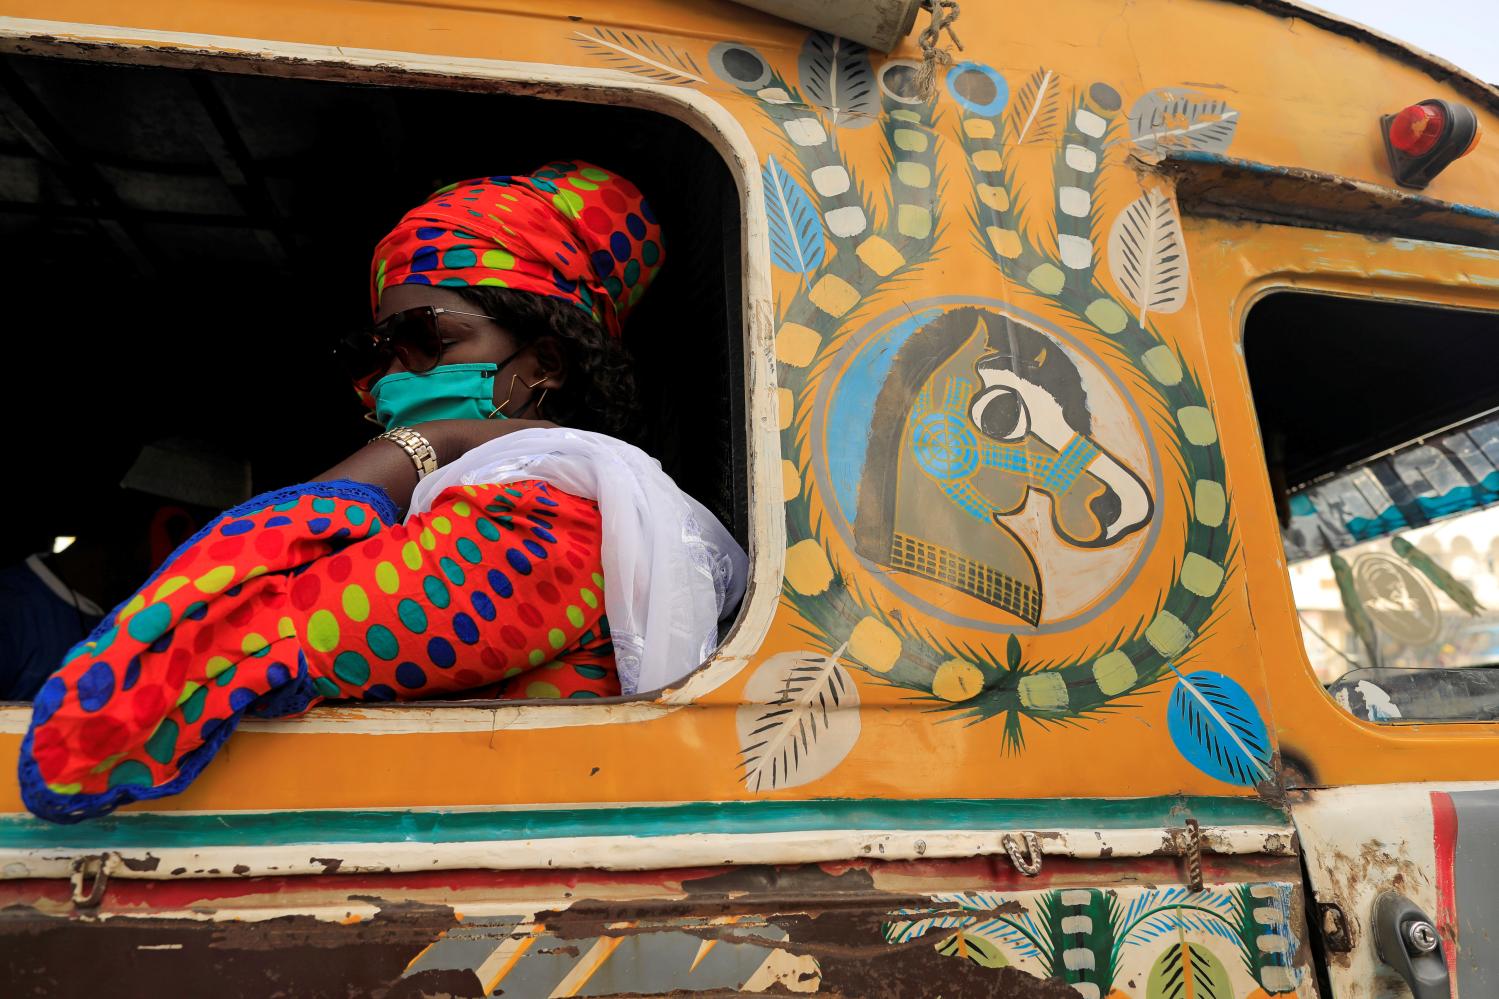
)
(182, 246)
(1339, 380)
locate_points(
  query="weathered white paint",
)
(642, 853)
(1361, 841)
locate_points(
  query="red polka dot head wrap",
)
(569, 230)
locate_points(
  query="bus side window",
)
(1381, 429)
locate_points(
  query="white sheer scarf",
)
(672, 572)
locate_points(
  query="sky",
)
(1464, 32)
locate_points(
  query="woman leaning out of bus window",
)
(472, 547)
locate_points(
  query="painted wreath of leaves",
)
(864, 248)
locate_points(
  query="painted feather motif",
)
(1166, 121)
(797, 241)
(800, 721)
(1216, 726)
(1440, 578)
(835, 74)
(1353, 606)
(1148, 256)
(1036, 111)
(642, 56)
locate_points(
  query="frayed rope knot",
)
(944, 13)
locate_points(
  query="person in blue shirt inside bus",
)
(51, 601)
(41, 617)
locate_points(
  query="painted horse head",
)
(977, 413)
(1032, 422)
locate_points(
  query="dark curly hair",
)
(599, 393)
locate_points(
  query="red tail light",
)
(1423, 139)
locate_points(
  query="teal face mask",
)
(447, 392)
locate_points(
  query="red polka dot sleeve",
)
(317, 593)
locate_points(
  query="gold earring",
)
(511, 394)
(508, 396)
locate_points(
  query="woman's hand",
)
(385, 464)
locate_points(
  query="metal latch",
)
(91, 878)
(1029, 862)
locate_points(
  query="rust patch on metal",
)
(835, 918)
(289, 955)
(147, 863)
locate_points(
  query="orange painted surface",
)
(918, 651)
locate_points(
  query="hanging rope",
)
(944, 13)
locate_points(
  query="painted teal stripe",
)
(126, 830)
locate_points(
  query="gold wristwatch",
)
(420, 450)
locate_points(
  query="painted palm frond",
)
(1035, 114)
(1167, 121)
(1078, 927)
(797, 240)
(1266, 941)
(1148, 256)
(835, 74)
(1440, 578)
(1166, 924)
(1155, 913)
(1216, 725)
(641, 55)
(900, 931)
(804, 728)
(1017, 933)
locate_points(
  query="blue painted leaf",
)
(1217, 727)
(796, 236)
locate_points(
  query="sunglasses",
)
(411, 336)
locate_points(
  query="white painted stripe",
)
(846, 221)
(1075, 897)
(1269, 915)
(1074, 201)
(1080, 158)
(1272, 943)
(805, 131)
(1076, 251)
(1077, 959)
(637, 853)
(1277, 979)
(1077, 924)
(1089, 123)
(830, 180)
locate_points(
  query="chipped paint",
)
(638, 853)
(866, 929)
(1360, 842)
